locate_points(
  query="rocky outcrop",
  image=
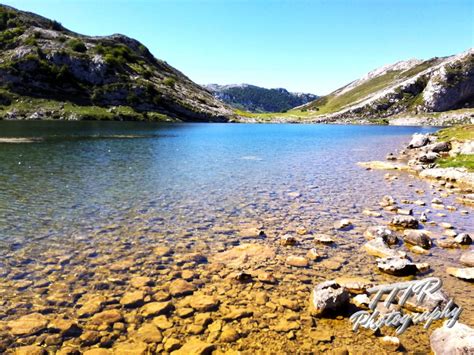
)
(404, 89)
(458, 339)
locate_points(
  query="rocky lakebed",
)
(282, 278)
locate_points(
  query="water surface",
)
(83, 205)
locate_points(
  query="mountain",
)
(48, 71)
(413, 87)
(257, 99)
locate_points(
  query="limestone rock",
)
(107, 317)
(343, 224)
(404, 222)
(140, 281)
(132, 299)
(181, 287)
(204, 303)
(397, 266)
(377, 247)
(467, 258)
(149, 333)
(328, 296)
(463, 239)
(417, 237)
(130, 349)
(30, 350)
(323, 239)
(297, 261)
(288, 240)
(418, 140)
(461, 273)
(156, 308)
(354, 284)
(452, 341)
(244, 254)
(312, 254)
(229, 335)
(390, 343)
(381, 232)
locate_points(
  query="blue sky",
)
(313, 46)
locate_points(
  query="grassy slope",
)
(333, 103)
(27, 105)
(462, 134)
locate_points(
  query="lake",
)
(85, 205)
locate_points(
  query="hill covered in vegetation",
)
(50, 72)
(257, 99)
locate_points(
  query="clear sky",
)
(302, 45)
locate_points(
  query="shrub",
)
(31, 41)
(77, 45)
(116, 55)
(169, 81)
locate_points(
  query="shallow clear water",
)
(86, 174)
(82, 209)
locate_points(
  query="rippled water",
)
(86, 174)
(120, 188)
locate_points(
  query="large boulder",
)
(459, 339)
(404, 222)
(439, 147)
(328, 296)
(419, 140)
(397, 266)
(417, 237)
(381, 232)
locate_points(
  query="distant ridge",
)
(258, 99)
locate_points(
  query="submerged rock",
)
(109, 316)
(132, 299)
(297, 261)
(313, 254)
(343, 224)
(181, 287)
(244, 254)
(387, 200)
(203, 303)
(390, 343)
(28, 325)
(328, 296)
(458, 339)
(288, 240)
(377, 247)
(467, 258)
(323, 239)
